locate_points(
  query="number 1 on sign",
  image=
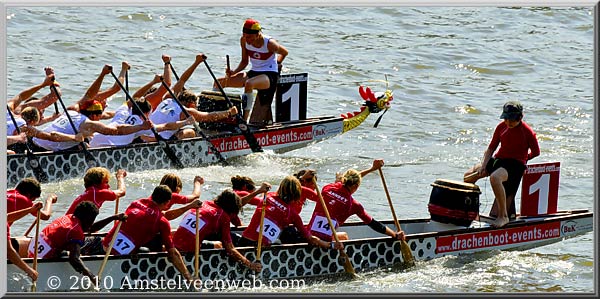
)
(293, 95)
(543, 186)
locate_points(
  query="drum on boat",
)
(454, 202)
(209, 101)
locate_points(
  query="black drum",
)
(209, 101)
(454, 202)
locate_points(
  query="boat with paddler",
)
(451, 230)
(291, 130)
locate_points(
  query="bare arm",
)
(76, 262)
(142, 91)
(257, 267)
(27, 93)
(202, 116)
(198, 182)
(188, 73)
(275, 47)
(244, 61)
(264, 187)
(98, 225)
(378, 163)
(103, 95)
(16, 215)
(47, 211)
(175, 213)
(121, 188)
(174, 257)
(95, 87)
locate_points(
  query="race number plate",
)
(539, 190)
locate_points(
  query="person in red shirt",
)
(518, 144)
(11, 253)
(67, 233)
(214, 217)
(147, 213)
(341, 205)
(173, 181)
(278, 215)
(97, 189)
(22, 197)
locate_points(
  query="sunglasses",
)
(97, 112)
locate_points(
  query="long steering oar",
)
(39, 173)
(407, 255)
(197, 128)
(166, 148)
(212, 147)
(242, 125)
(346, 259)
(35, 249)
(108, 250)
(260, 231)
(90, 160)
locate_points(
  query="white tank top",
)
(122, 116)
(262, 60)
(10, 126)
(167, 112)
(62, 125)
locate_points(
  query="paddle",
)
(166, 148)
(39, 173)
(242, 125)
(90, 160)
(197, 248)
(212, 147)
(196, 126)
(407, 255)
(346, 259)
(109, 249)
(260, 231)
(35, 251)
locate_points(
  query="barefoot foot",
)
(500, 222)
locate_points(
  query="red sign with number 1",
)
(539, 191)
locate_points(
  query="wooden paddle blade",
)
(407, 255)
(347, 264)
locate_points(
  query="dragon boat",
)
(291, 130)
(367, 250)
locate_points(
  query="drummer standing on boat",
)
(266, 56)
(518, 144)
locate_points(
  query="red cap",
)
(251, 26)
(91, 106)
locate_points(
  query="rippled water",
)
(451, 69)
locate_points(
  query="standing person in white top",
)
(261, 51)
(169, 111)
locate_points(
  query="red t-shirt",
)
(144, 221)
(96, 194)
(278, 215)
(55, 237)
(306, 193)
(177, 198)
(15, 201)
(212, 219)
(340, 205)
(255, 201)
(519, 143)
